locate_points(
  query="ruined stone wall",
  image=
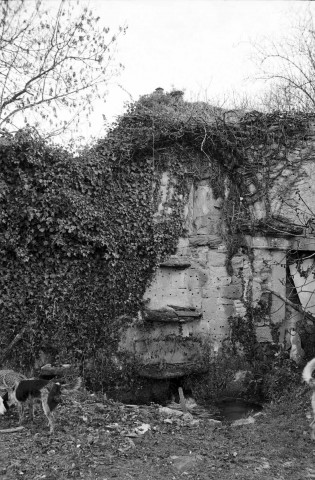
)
(196, 297)
(196, 280)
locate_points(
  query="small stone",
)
(184, 463)
(170, 412)
(188, 417)
(214, 422)
(243, 421)
(100, 407)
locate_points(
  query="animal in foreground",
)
(48, 392)
(308, 378)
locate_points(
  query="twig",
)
(12, 430)
(203, 143)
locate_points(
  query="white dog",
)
(308, 378)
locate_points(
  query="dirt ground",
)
(99, 439)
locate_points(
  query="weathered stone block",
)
(184, 252)
(218, 272)
(227, 309)
(225, 301)
(236, 280)
(209, 308)
(202, 223)
(183, 243)
(232, 291)
(203, 277)
(210, 292)
(200, 257)
(203, 230)
(202, 201)
(237, 261)
(263, 334)
(216, 259)
(193, 279)
(200, 240)
(176, 263)
(223, 281)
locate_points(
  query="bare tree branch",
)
(51, 58)
(295, 306)
(289, 66)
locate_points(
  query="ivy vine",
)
(80, 237)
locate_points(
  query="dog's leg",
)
(50, 418)
(51, 422)
(32, 409)
(46, 409)
(20, 407)
(313, 422)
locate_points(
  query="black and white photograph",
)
(157, 239)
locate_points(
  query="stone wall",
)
(192, 298)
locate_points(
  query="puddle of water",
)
(235, 408)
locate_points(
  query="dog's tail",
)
(73, 388)
(307, 373)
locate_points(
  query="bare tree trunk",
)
(12, 430)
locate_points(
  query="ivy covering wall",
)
(80, 236)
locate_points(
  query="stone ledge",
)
(49, 371)
(172, 315)
(169, 370)
(213, 241)
(175, 262)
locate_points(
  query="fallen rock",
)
(142, 429)
(194, 422)
(170, 412)
(100, 407)
(214, 422)
(187, 417)
(184, 463)
(243, 421)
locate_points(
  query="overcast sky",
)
(200, 46)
